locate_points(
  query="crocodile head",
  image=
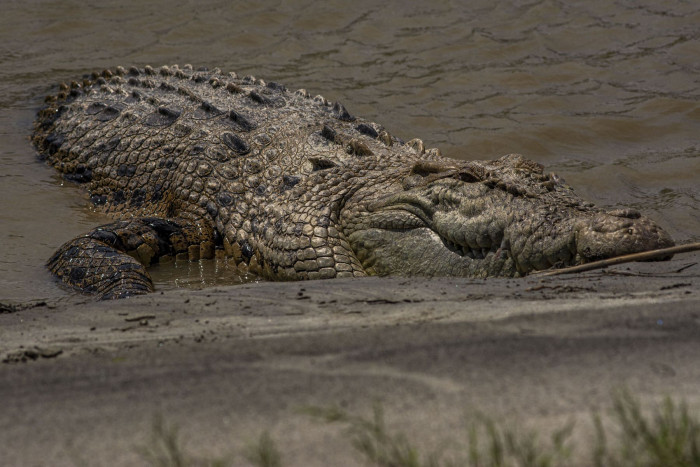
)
(499, 218)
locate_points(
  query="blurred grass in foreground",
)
(667, 436)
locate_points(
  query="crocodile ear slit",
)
(427, 167)
(425, 171)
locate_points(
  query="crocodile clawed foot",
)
(94, 268)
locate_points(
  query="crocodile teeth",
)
(472, 252)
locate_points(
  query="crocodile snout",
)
(618, 233)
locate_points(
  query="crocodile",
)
(197, 163)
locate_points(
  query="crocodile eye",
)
(468, 177)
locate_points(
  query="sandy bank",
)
(82, 381)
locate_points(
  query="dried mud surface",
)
(82, 381)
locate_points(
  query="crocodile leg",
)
(111, 260)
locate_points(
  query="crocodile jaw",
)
(422, 252)
(617, 233)
(451, 228)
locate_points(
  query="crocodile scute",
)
(192, 164)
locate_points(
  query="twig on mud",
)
(643, 256)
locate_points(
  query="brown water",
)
(606, 93)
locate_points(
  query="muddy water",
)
(606, 93)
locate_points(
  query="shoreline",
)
(227, 363)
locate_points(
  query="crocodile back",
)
(174, 140)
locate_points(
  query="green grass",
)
(264, 453)
(371, 438)
(487, 444)
(166, 449)
(668, 436)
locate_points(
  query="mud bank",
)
(82, 381)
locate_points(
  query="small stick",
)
(644, 255)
